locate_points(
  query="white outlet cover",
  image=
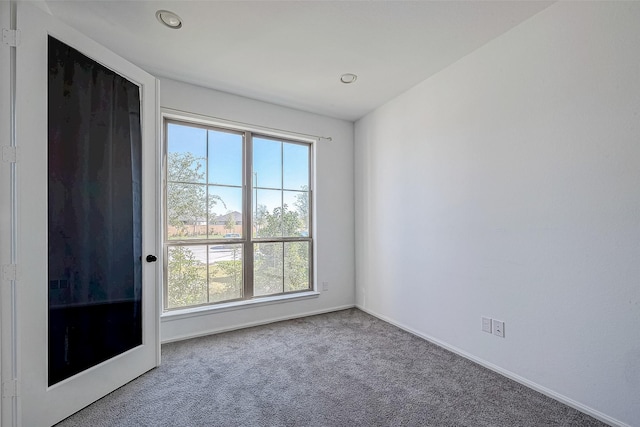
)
(498, 328)
(486, 324)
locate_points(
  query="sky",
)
(277, 166)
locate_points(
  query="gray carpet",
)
(340, 369)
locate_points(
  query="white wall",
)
(334, 214)
(508, 186)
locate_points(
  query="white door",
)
(43, 401)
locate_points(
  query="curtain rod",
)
(243, 124)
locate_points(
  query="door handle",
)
(151, 258)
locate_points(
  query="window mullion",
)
(206, 212)
(282, 197)
(248, 217)
(283, 263)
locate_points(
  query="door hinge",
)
(10, 154)
(9, 272)
(10, 389)
(11, 37)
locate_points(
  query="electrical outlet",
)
(325, 286)
(498, 328)
(486, 324)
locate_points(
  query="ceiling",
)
(293, 53)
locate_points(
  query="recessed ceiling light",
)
(348, 78)
(169, 19)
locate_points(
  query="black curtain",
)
(95, 213)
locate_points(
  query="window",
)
(237, 215)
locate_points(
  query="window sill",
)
(237, 305)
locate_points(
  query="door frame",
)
(8, 360)
(27, 228)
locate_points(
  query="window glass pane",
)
(225, 272)
(187, 276)
(296, 217)
(296, 266)
(267, 163)
(186, 211)
(267, 213)
(225, 211)
(296, 166)
(186, 153)
(225, 158)
(267, 268)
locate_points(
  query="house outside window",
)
(237, 215)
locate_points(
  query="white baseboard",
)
(256, 323)
(532, 385)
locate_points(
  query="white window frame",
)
(248, 240)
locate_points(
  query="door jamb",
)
(9, 408)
